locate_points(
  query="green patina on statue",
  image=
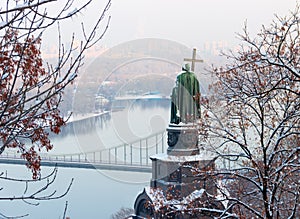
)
(185, 106)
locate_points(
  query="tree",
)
(31, 90)
(122, 213)
(32, 191)
(251, 126)
(258, 128)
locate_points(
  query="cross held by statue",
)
(193, 59)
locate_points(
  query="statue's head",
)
(186, 67)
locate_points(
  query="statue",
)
(171, 172)
(185, 106)
(185, 111)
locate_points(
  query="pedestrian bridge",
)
(133, 156)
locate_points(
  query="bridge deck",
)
(132, 156)
(84, 165)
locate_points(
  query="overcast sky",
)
(191, 22)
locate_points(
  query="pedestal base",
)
(176, 173)
(174, 177)
(146, 200)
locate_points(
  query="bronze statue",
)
(185, 106)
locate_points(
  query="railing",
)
(135, 153)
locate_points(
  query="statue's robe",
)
(185, 106)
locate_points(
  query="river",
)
(94, 193)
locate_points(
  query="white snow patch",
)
(3, 23)
(74, 11)
(20, 6)
(4, 76)
(72, 76)
(189, 158)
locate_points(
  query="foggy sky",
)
(189, 22)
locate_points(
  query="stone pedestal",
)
(173, 172)
(175, 175)
(182, 139)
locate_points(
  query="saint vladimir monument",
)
(171, 171)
